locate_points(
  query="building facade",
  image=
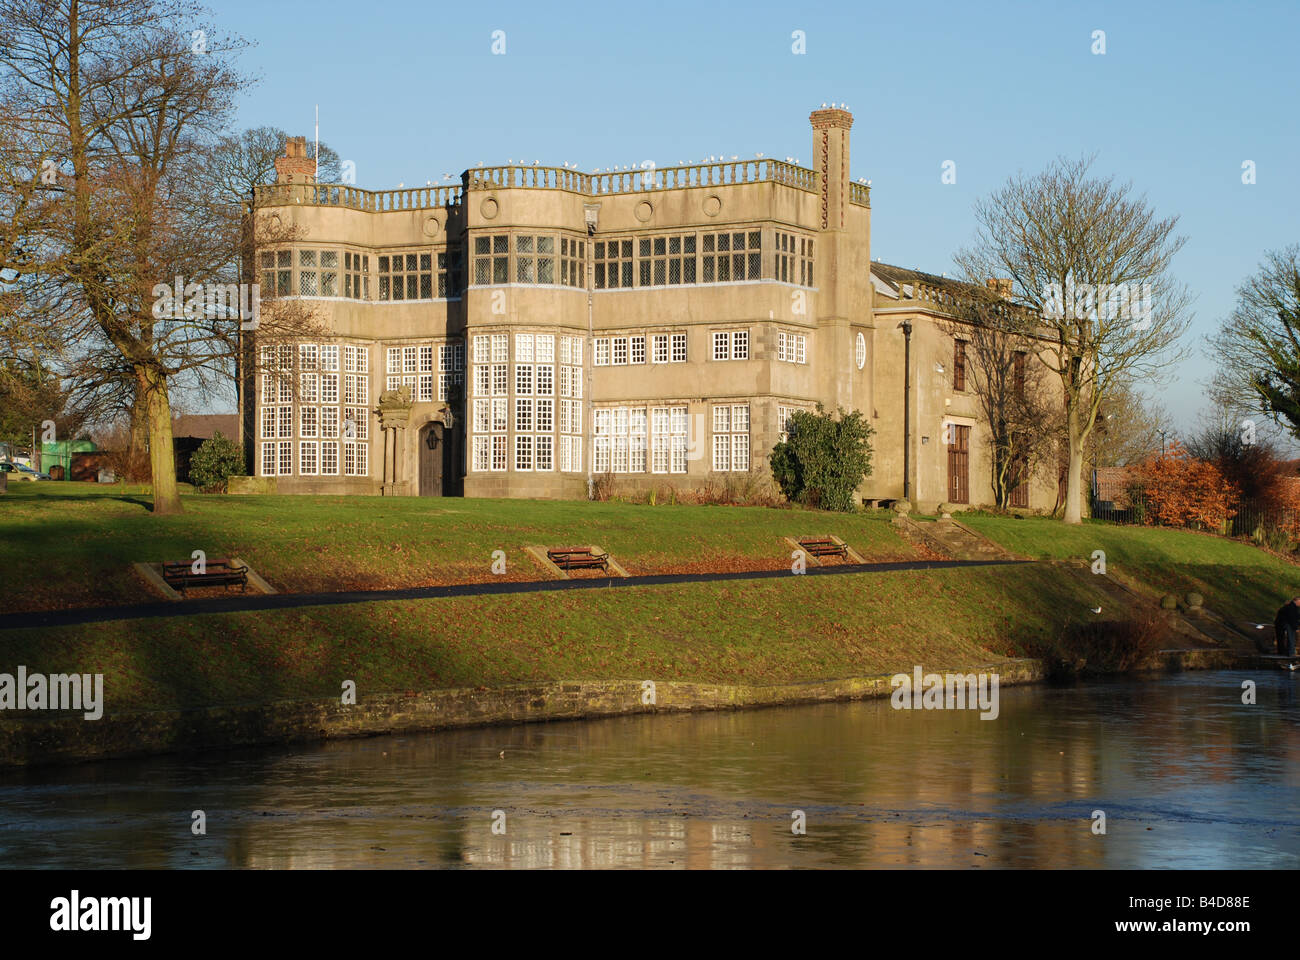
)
(530, 331)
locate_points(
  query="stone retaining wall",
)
(25, 740)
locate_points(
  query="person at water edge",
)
(1284, 627)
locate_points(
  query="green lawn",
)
(771, 631)
(1235, 578)
(64, 544)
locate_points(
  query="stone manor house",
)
(528, 330)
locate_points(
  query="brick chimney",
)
(1002, 286)
(831, 162)
(295, 166)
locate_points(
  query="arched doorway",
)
(437, 470)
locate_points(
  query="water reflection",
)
(1187, 775)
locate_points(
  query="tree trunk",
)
(1074, 473)
(162, 461)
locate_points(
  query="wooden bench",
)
(824, 547)
(578, 558)
(216, 573)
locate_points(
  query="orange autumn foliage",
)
(1182, 491)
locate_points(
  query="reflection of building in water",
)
(555, 842)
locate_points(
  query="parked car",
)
(18, 471)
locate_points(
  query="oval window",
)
(861, 351)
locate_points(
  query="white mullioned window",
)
(329, 423)
(523, 347)
(523, 452)
(620, 440)
(637, 440)
(679, 348)
(637, 345)
(602, 431)
(307, 462)
(329, 458)
(722, 346)
(659, 348)
(620, 351)
(783, 415)
(792, 348)
(500, 347)
(659, 442)
(740, 345)
(679, 424)
(731, 437)
(600, 352)
(545, 348)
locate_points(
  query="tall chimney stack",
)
(295, 166)
(831, 162)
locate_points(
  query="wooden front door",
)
(435, 448)
(959, 464)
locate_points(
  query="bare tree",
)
(130, 97)
(1128, 427)
(1009, 385)
(1257, 347)
(1092, 262)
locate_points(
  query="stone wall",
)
(27, 741)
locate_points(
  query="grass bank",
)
(782, 630)
(1236, 578)
(64, 545)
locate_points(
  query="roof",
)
(204, 425)
(897, 277)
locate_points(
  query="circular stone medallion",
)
(712, 206)
(489, 208)
(644, 211)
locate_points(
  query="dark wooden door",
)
(959, 464)
(434, 444)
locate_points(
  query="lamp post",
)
(906, 326)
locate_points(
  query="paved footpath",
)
(284, 601)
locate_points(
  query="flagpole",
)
(317, 143)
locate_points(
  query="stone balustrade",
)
(728, 173)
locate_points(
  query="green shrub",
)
(214, 463)
(824, 458)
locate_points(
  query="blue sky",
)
(1184, 93)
